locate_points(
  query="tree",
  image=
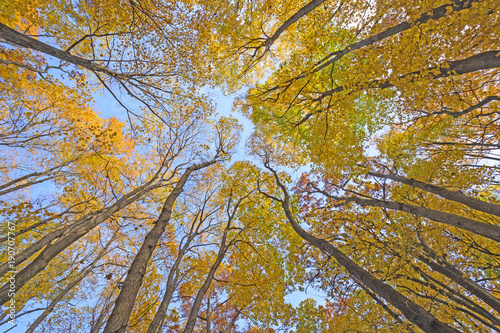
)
(375, 180)
(326, 101)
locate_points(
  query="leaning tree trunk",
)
(433, 14)
(70, 286)
(487, 230)
(193, 313)
(22, 40)
(456, 196)
(172, 279)
(68, 236)
(412, 311)
(455, 275)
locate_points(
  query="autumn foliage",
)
(366, 198)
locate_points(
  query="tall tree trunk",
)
(118, 320)
(456, 196)
(443, 267)
(434, 14)
(487, 230)
(68, 236)
(172, 279)
(193, 313)
(466, 306)
(22, 40)
(70, 286)
(96, 326)
(229, 328)
(36, 225)
(381, 303)
(474, 63)
(461, 299)
(412, 311)
(49, 173)
(303, 11)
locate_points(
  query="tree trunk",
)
(487, 230)
(96, 326)
(22, 40)
(68, 236)
(303, 11)
(455, 275)
(118, 320)
(456, 196)
(193, 314)
(161, 312)
(412, 311)
(229, 328)
(468, 307)
(50, 173)
(461, 299)
(434, 14)
(70, 286)
(477, 62)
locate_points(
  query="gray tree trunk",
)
(412, 311)
(456, 196)
(118, 320)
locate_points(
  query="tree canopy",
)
(367, 198)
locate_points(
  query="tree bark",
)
(477, 62)
(434, 14)
(193, 313)
(118, 320)
(412, 311)
(70, 286)
(456, 196)
(161, 312)
(455, 275)
(487, 230)
(303, 11)
(96, 326)
(67, 236)
(229, 328)
(50, 173)
(22, 40)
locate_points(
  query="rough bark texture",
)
(477, 62)
(172, 278)
(193, 314)
(413, 312)
(434, 14)
(70, 286)
(467, 306)
(68, 236)
(480, 228)
(118, 320)
(456, 196)
(22, 40)
(294, 18)
(37, 246)
(467, 284)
